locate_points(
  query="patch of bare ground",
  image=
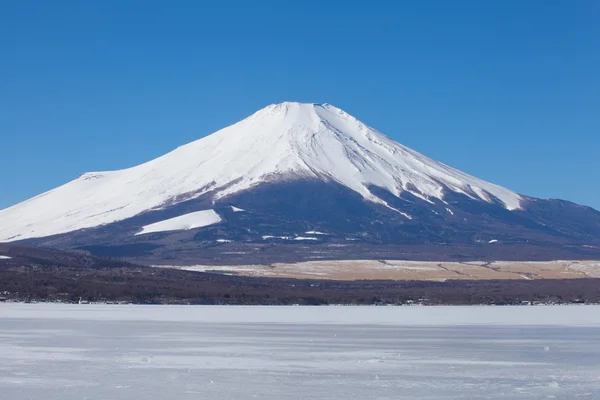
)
(411, 270)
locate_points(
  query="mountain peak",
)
(301, 113)
(294, 104)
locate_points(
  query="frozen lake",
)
(67, 352)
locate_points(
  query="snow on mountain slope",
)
(184, 222)
(281, 141)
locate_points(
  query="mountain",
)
(299, 181)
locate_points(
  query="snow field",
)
(184, 222)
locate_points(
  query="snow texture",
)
(281, 141)
(5, 258)
(69, 352)
(193, 220)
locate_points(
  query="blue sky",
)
(506, 90)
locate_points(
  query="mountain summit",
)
(288, 169)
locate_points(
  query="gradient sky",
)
(506, 90)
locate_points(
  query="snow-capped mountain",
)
(287, 169)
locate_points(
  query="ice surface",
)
(280, 141)
(4, 258)
(187, 221)
(68, 352)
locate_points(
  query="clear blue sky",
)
(507, 90)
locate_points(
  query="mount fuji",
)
(298, 181)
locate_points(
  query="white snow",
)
(223, 241)
(493, 241)
(5, 258)
(305, 238)
(235, 209)
(193, 220)
(277, 237)
(405, 215)
(280, 141)
(316, 233)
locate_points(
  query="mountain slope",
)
(286, 170)
(281, 141)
